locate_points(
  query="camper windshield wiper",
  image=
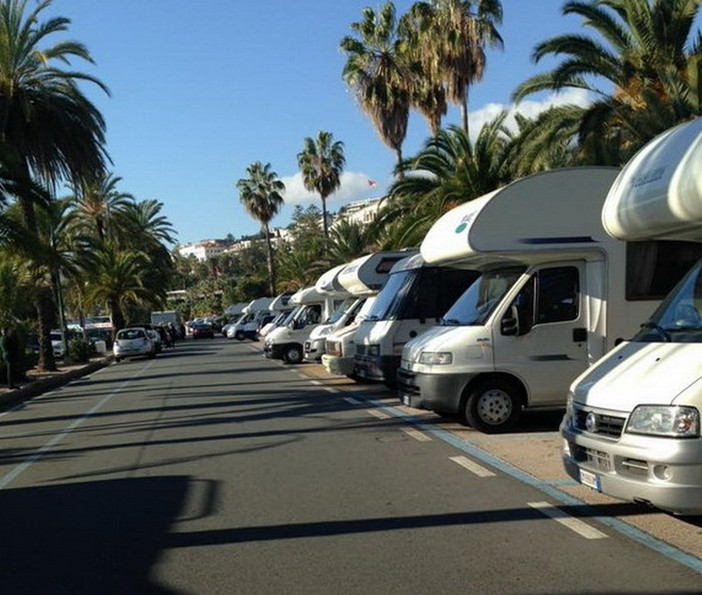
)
(450, 322)
(657, 327)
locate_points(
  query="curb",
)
(42, 385)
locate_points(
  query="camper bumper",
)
(382, 368)
(274, 350)
(663, 472)
(314, 349)
(341, 366)
(436, 392)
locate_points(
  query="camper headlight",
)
(436, 358)
(665, 420)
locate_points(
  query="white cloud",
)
(528, 108)
(354, 186)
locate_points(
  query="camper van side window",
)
(558, 295)
(653, 268)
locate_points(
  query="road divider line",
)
(572, 523)
(472, 466)
(378, 414)
(416, 434)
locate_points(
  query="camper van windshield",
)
(478, 302)
(678, 319)
(341, 310)
(397, 286)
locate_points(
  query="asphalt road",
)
(213, 470)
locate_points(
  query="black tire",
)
(118, 359)
(292, 354)
(239, 335)
(493, 406)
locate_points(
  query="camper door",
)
(541, 336)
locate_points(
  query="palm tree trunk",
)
(398, 168)
(324, 217)
(271, 263)
(44, 304)
(464, 115)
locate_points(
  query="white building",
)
(203, 250)
(361, 211)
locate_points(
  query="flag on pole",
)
(372, 183)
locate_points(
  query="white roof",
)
(307, 295)
(658, 194)
(367, 275)
(540, 213)
(329, 281)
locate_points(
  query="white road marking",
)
(317, 382)
(558, 515)
(378, 414)
(352, 400)
(472, 466)
(417, 435)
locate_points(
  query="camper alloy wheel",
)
(292, 354)
(493, 406)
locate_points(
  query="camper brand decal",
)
(465, 221)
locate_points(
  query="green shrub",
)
(78, 350)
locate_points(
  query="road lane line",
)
(416, 434)
(9, 477)
(352, 400)
(574, 524)
(472, 466)
(378, 414)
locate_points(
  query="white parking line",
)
(317, 382)
(558, 515)
(352, 400)
(472, 466)
(378, 414)
(416, 434)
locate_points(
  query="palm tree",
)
(321, 162)
(262, 196)
(48, 129)
(98, 201)
(644, 49)
(450, 41)
(378, 72)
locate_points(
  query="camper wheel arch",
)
(492, 403)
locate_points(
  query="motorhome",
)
(414, 298)
(555, 293)
(329, 284)
(632, 423)
(363, 278)
(280, 309)
(253, 313)
(286, 342)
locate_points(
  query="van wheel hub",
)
(494, 406)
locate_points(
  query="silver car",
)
(133, 342)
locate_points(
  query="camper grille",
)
(605, 425)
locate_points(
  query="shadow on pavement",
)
(93, 537)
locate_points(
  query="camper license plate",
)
(591, 480)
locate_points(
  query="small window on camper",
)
(653, 268)
(558, 295)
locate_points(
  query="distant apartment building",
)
(203, 250)
(361, 211)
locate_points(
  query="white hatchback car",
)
(132, 342)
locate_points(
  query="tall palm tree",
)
(321, 162)
(379, 74)
(451, 43)
(262, 196)
(643, 50)
(98, 201)
(49, 130)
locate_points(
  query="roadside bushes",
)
(78, 350)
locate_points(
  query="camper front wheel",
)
(292, 354)
(493, 406)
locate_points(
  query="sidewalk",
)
(40, 382)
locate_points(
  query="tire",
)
(493, 406)
(239, 336)
(118, 359)
(292, 354)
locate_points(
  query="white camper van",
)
(363, 278)
(286, 342)
(329, 284)
(247, 326)
(414, 298)
(280, 309)
(552, 298)
(632, 424)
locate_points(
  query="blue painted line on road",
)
(10, 476)
(548, 488)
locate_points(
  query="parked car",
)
(202, 330)
(133, 342)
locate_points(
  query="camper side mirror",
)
(510, 323)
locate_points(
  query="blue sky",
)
(200, 89)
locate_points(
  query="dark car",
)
(202, 330)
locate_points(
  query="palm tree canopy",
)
(261, 193)
(321, 162)
(46, 122)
